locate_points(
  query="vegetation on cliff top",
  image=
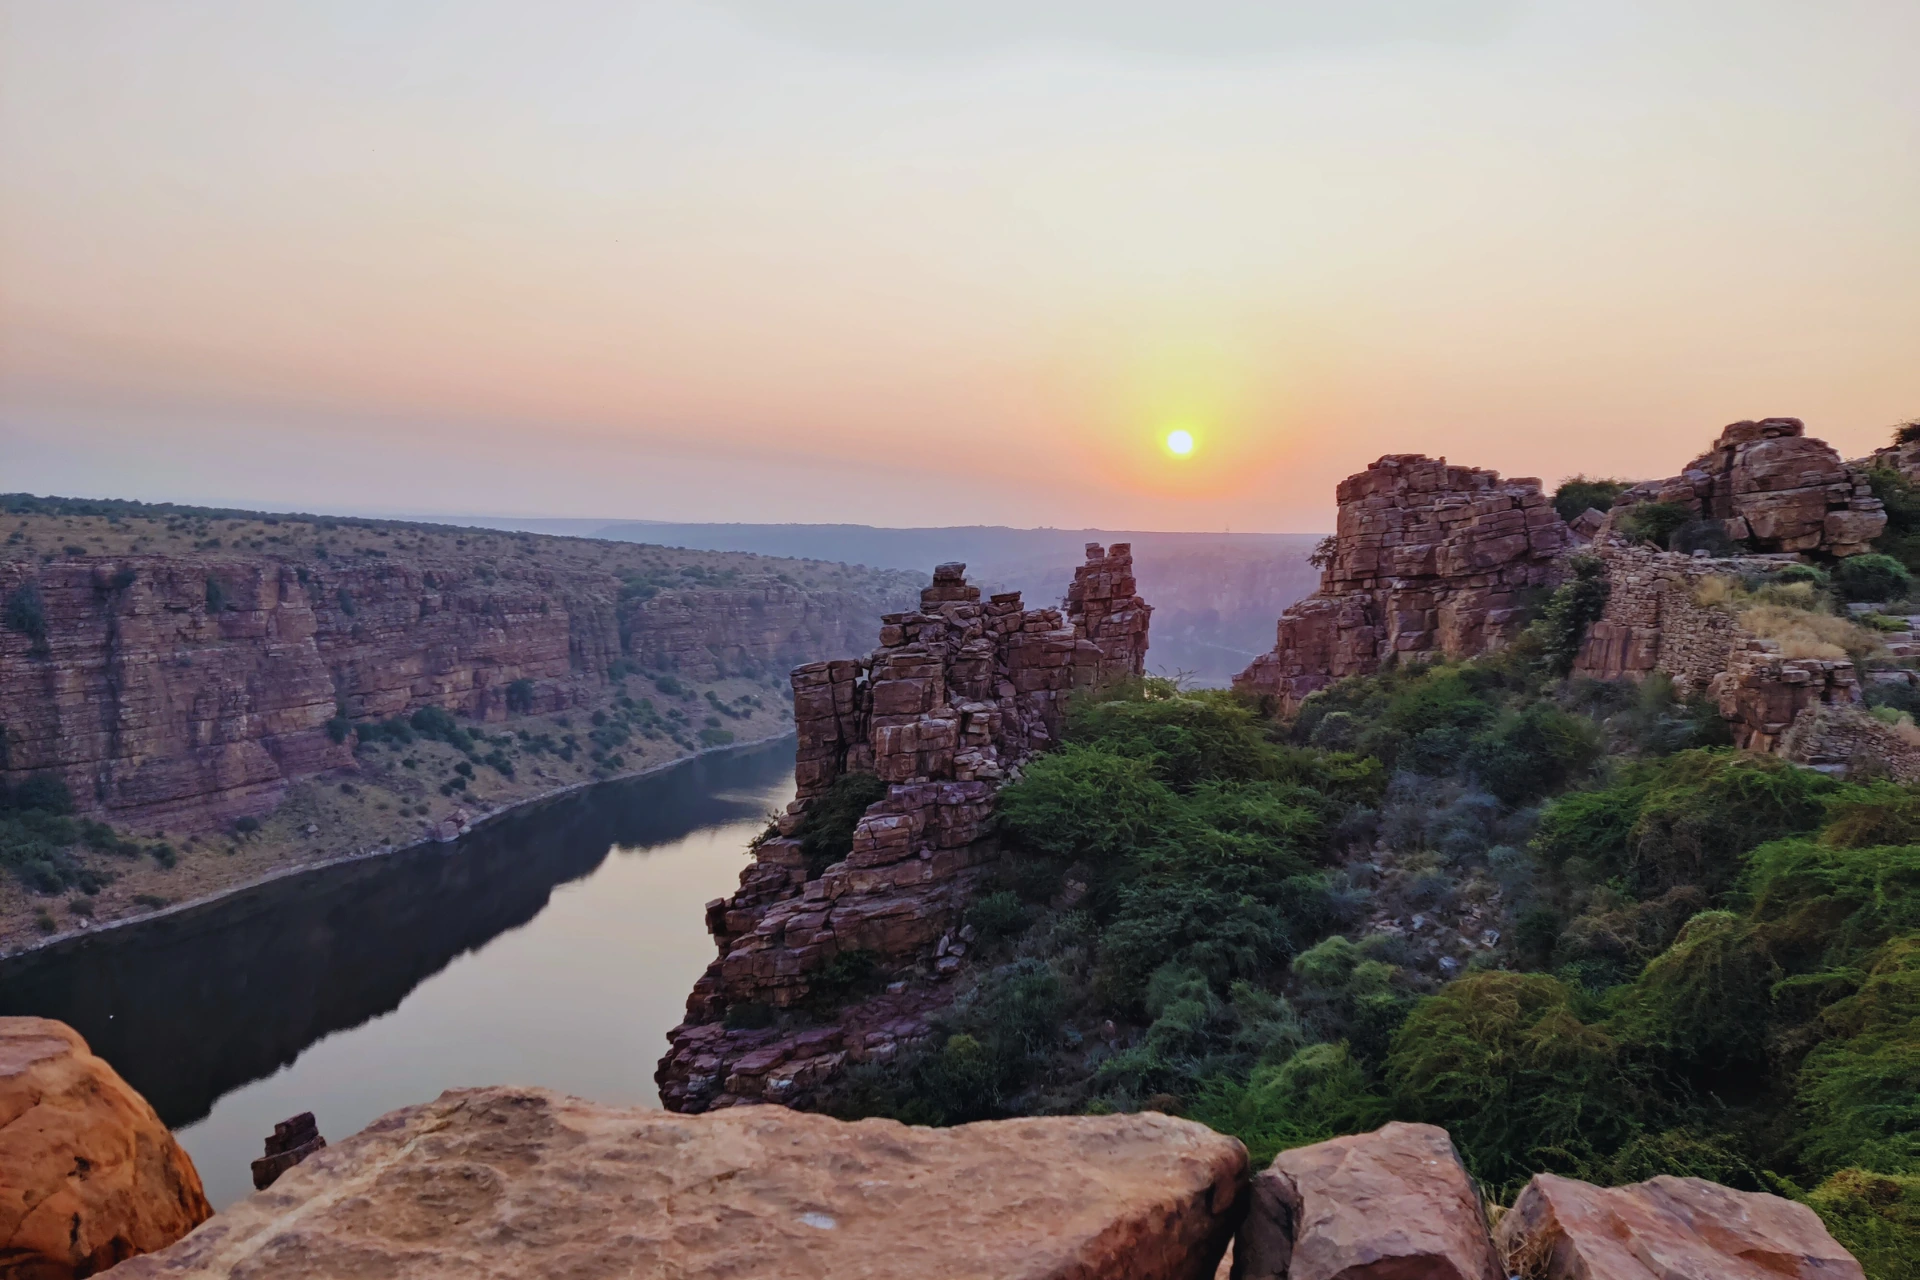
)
(1560, 918)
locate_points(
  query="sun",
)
(1180, 443)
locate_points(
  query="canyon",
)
(190, 675)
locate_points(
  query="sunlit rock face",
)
(518, 1182)
(1427, 559)
(1773, 488)
(956, 697)
(89, 1177)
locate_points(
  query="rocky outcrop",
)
(1428, 560)
(957, 695)
(186, 691)
(89, 1176)
(1774, 488)
(514, 1182)
(291, 1141)
(1560, 1229)
(1393, 1203)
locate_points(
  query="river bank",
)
(398, 796)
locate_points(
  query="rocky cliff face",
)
(1774, 488)
(1428, 560)
(1432, 560)
(188, 689)
(956, 697)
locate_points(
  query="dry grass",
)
(1793, 615)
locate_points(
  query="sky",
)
(938, 263)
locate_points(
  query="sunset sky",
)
(932, 263)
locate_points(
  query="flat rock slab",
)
(88, 1174)
(1394, 1204)
(1666, 1229)
(516, 1182)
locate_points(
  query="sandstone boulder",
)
(1665, 1229)
(88, 1174)
(1384, 1205)
(514, 1182)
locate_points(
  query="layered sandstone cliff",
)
(1774, 488)
(956, 697)
(188, 688)
(1428, 560)
(1438, 561)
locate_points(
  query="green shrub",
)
(520, 697)
(1687, 819)
(1086, 802)
(714, 737)
(26, 613)
(1702, 1006)
(1502, 1062)
(1575, 606)
(1530, 752)
(998, 915)
(1872, 577)
(1861, 1088)
(1581, 493)
(1654, 522)
(1318, 1093)
(1876, 1217)
(826, 830)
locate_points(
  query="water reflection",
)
(191, 1007)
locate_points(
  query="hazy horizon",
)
(828, 261)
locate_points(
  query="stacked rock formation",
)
(1774, 488)
(188, 691)
(291, 1141)
(957, 695)
(1428, 559)
(89, 1176)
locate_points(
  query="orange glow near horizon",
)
(733, 261)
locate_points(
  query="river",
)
(555, 946)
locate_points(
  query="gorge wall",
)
(187, 688)
(956, 697)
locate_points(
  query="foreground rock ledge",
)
(1666, 1227)
(88, 1174)
(515, 1182)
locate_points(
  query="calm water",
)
(555, 947)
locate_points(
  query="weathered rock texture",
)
(520, 1182)
(1775, 489)
(1665, 1229)
(1653, 622)
(957, 695)
(187, 691)
(1384, 1205)
(1429, 559)
(88, 1175)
